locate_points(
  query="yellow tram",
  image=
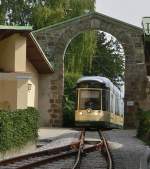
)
(99, 103)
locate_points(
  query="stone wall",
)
(55, 39)
(44, 99)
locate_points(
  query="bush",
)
(143, 131)
(69, 98)
(18, 128)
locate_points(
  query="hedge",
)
(18, 128)
(143, 131)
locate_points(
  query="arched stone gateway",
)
(55, 39)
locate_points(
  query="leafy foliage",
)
(108, 60)
(80, 52)
(23, 12)
(100, 57)
(69, 98)
(18, 128)
(144, 126)
(46, 15)
(2, 14)
(16, 12)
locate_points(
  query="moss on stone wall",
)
(18, 128)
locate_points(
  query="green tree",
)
(2, 13)
(22, 12)
(17, 12)
(47, 16)
(80, 52)
(108, 60)
(69, 98)
(82, 48)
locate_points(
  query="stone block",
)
(51, 100)
(54, 106)
(50, 111)
(57, 111)
(58, 100)
(54, 88)
(54, 116)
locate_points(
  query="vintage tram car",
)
(99, 103)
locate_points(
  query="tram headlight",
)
(96, 113)
(81, 113)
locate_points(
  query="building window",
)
(29, 86)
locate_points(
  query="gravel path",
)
(128, 151)
(93, 160)
(60, 164)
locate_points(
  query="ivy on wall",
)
(18, 128)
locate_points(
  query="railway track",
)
(98, 157)
(87, 153)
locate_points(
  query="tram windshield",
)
(90, 99)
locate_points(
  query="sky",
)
(130, 11)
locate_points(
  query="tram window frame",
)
(108, 100)
(111, 102)
(105, 100)
(121, 103)
(87, 89)
(116, 105)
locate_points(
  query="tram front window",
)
(90, 99)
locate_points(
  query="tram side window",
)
(111, 102)
(105, 100)
(108, 100)
(76, 102)
(116, 105)
(121, 107)
(119, 104)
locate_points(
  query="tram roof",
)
(100, 79)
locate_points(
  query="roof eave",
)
(41, 51)
(17, 28)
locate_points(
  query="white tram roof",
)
(100, 79)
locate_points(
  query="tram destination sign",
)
(146, 25)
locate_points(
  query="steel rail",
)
(47, 160)
(45, 155)
(80, 150)
(84, 149)
(58, 153)
(109, 158)
(40, 153)
(57, 157)
(75, 149)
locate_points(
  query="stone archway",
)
(55, 39)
